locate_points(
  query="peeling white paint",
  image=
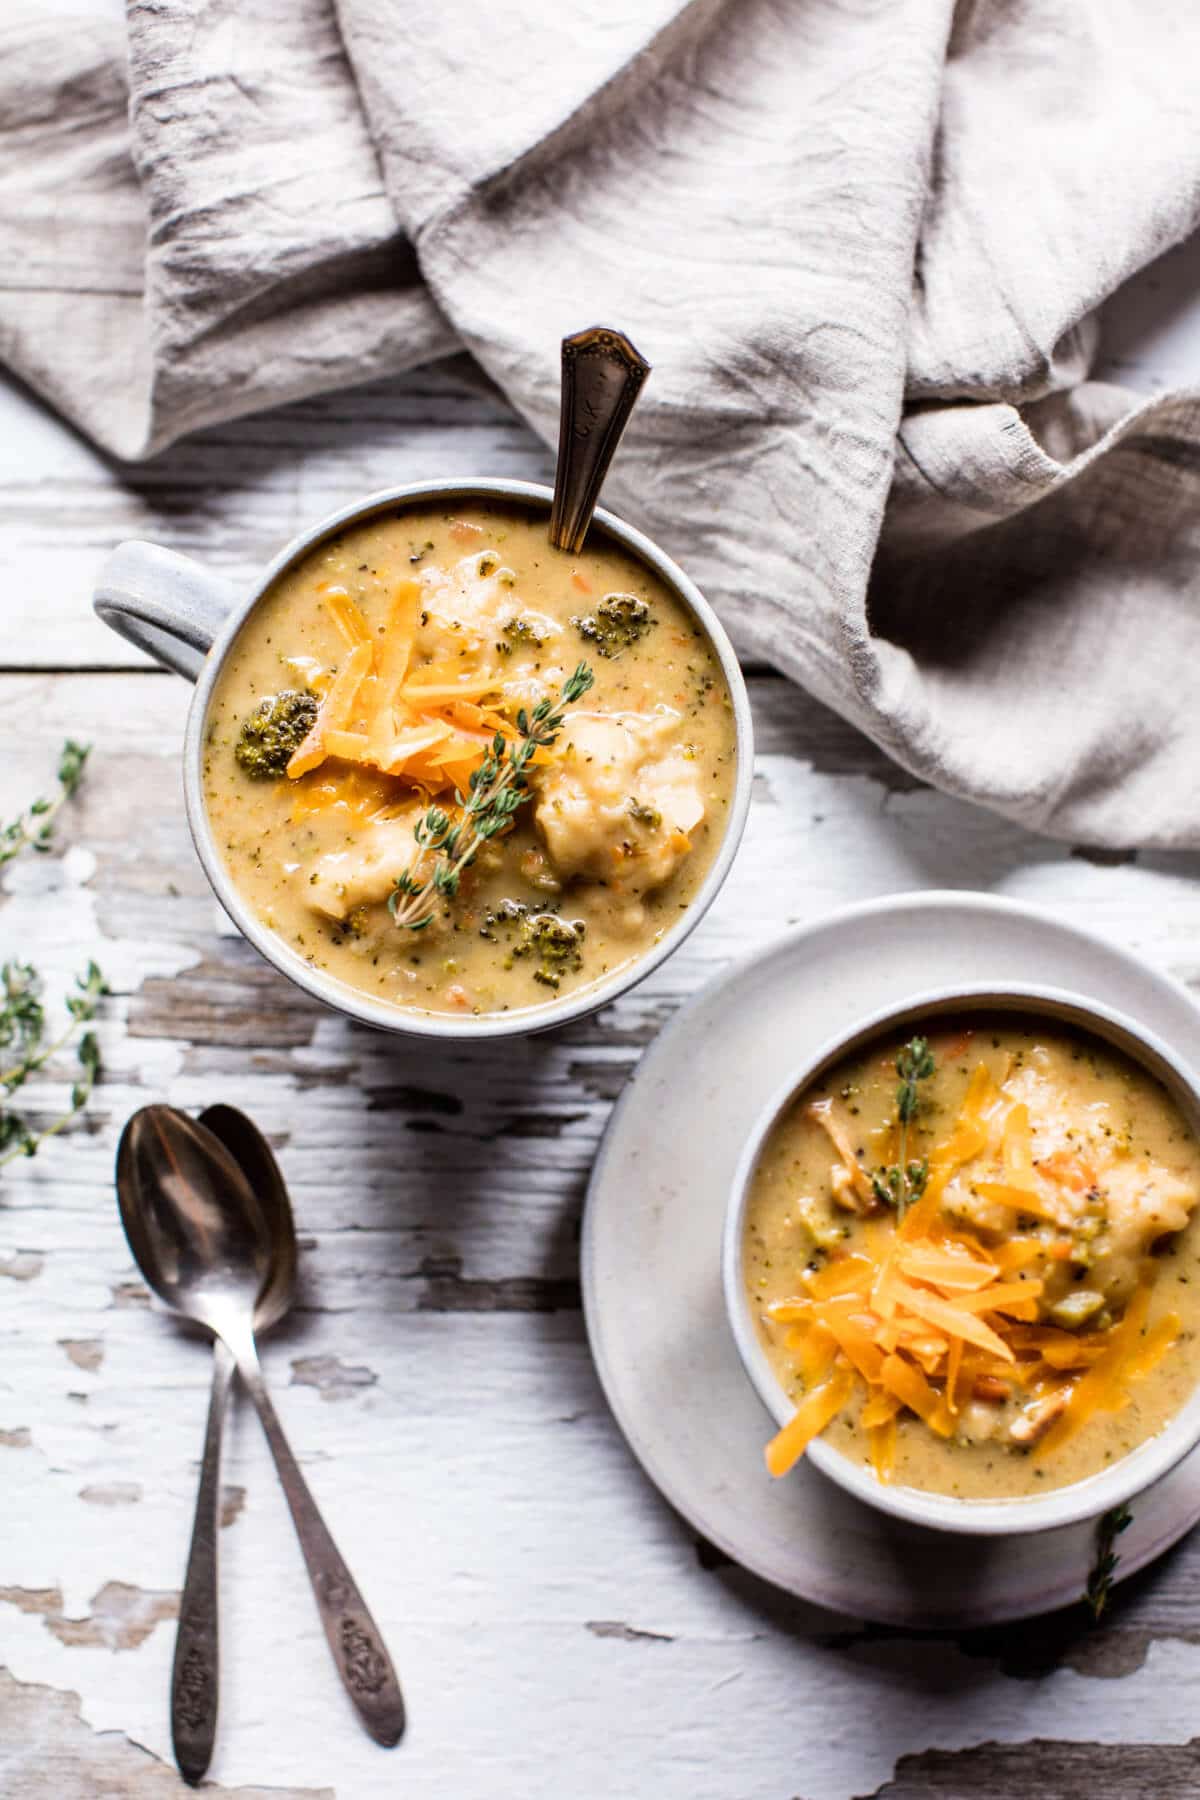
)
(469, 1466)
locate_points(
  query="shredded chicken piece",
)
(979, 1421)
(366, 873)
(843, 1190)
(850, 1182)
(1038, 1415)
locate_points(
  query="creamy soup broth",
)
(1113, 1170)
(628, 807)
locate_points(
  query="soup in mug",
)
(974, 1261)
(464, 772)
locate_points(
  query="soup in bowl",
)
(451, 779)
(962, 1262)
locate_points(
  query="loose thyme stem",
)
(1099, 1582)
(498, 789)
(34, 828)
(22, 1023)
(22, 1014)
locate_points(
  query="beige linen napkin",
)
(860, 240)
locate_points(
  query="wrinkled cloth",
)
(861, 242)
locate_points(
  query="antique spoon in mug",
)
(195, 1674)
(203, 1239)
(602, 376)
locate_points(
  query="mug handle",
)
(164, 604)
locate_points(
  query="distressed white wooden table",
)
(558, 1629)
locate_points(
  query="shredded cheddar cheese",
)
(427, 727)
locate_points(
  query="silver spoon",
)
(194, 1676)
(602, 376)
(204, 1239)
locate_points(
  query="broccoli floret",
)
(619, 621)
(556, 943)
(520, 635)
(274, 731)
(354, 925)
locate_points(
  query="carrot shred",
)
(810, 1418)
(1101, 1388)
(1017, 1149)
(345, 744)
(396, 647)
(953, 1369)
(1069, 1170)
(1018, 1252)
(333, 712)
(881, 1446)
(953, 1320)
(846, 1275)
(910, 1386)
(945, 1268)
(816, 1356)
(1022, 1200)
(788, 1312)
(346, 616)
(1000, 1297)
(1157, 1342)
(856, 1345)
(881, 1406)
(471, 688)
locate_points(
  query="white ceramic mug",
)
(188, 618)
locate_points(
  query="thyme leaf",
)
(903, 1183)
(24, 1038)
(445, 844)
(34, 828)
(26, 1045)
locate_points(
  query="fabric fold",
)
(861, 245)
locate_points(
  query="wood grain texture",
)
(557, 1628)
(1054, 1771)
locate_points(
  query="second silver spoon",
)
(195, 1673)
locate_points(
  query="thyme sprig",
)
(448, 844)
(34, 828)
(903, 1183)
(23, 1036)
(1099, 1582)
(25, 1046)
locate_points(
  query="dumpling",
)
(473, 609)
(620, 799)
(365, 872)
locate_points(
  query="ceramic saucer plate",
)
(652, 1259)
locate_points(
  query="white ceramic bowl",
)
(188, 619)
(1036, 1512)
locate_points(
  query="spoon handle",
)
(602, 376)
(194, 1676)
(352, 1634)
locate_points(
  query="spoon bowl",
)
(197, 1228)
(248, 1147)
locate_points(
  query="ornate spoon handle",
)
(352, 1634)
(194, 1678)
(602, 376)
